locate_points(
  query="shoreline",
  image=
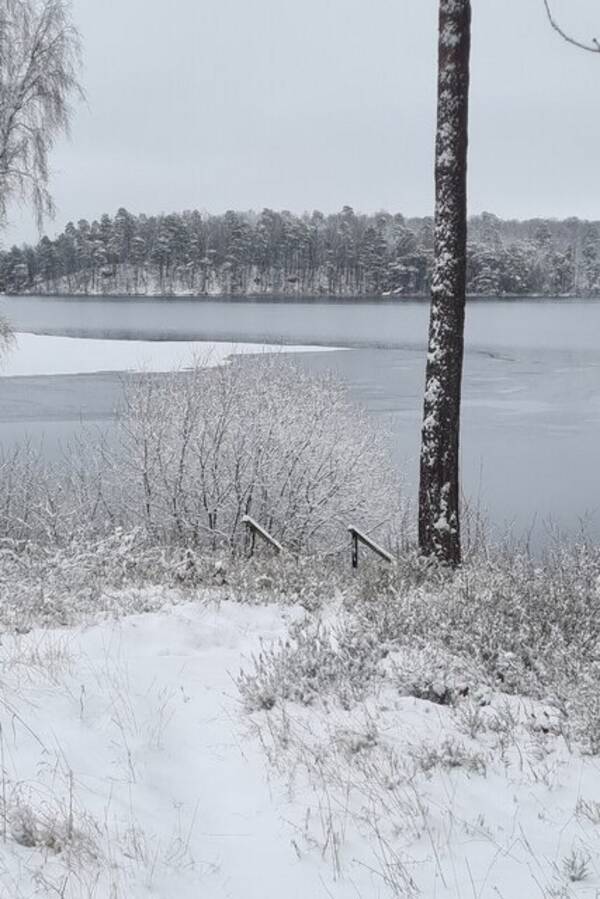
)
(295, 298)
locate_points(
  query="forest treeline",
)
(343, 254)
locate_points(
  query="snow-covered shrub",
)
(24, 491)
(314, 661)
(198, 450)
(53, 501)
(583, 708)
(429, 672)
(526, 625)
(307, 581)
(119, 573)
(499, 624)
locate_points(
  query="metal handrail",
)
(256, 528)
(358, 536)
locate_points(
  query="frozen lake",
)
(531, 423)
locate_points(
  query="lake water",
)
(531, 412)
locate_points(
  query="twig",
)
(594, 47)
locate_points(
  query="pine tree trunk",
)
(439, 521)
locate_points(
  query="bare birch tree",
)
(39, 67)
(439, 521)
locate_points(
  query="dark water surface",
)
(531, 422)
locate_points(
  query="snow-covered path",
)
(207, 766)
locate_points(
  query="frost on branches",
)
(439, 525)
(39, 69)
(195, 451)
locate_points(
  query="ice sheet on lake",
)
(36, 354)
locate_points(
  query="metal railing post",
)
(255, 529)
(358, 536)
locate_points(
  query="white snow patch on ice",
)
(40, 354)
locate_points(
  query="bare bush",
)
(199, 450)
(52, 502)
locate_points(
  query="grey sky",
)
(302, 104)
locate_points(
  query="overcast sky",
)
(303, 104)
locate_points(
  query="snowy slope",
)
(146, 716)
(132, 769)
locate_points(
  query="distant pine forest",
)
(345, 254)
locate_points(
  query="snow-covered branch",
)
(197, 450)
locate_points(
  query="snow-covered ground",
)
(40, 354)
(137, 725)
(133, 769)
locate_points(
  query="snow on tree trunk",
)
(439, 523)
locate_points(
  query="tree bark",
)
(439, 518)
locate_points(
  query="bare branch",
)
(594, 47)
